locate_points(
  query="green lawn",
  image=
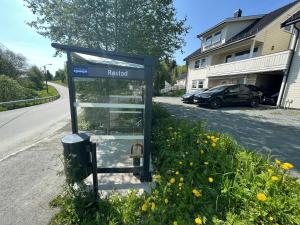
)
(202, 177)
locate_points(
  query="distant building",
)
(245, 49)
(181, 79)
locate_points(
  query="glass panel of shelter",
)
(111, 111)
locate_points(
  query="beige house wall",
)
(274, 38)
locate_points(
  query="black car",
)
(225, 95)
(189, 97)
(270, 99)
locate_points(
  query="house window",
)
(197, 63)
(194, 83)
(200, 83)
(255, 52)
(228, 58)
(197, 84)
(208, 41)
(217, 37)
(242, 55)
(203, 62)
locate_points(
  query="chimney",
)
(237, 13)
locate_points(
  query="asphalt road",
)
(264, 129)
(30, 153)
(22, 127)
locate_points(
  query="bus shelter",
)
(110, 101)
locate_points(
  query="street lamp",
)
(45, 71)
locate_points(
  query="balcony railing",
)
(266, 63)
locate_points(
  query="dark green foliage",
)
(135, 26)
(11, 90)
(36, 76)
(12, 64)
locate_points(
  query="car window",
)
(233, 89)
(243, 88)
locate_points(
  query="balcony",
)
(266, 63)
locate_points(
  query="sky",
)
(18, 36)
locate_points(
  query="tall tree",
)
(12, 64)
(135, 26)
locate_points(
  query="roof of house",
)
(293, 19)
(181, 76)
(232, 19)
(251, 30)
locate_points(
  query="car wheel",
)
(215, 103)
(254, 102)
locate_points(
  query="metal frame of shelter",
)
(142, 72)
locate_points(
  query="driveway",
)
(263, 129)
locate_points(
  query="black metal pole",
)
(94, 168)
(146, 175)
(71, 95)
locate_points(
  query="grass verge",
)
(201, 178)
(40, 94)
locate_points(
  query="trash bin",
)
(76, 157)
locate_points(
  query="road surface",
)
(29, 160)
(22, 127)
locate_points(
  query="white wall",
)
(291, 97)
(195, 74)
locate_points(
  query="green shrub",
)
(201, 178)
(11, 90)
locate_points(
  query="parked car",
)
(270, 99)
(189, 97)
(225, 95)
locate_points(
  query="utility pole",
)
(45, 73)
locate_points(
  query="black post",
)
(71, 95)
(46, 79)
(94, 168)
(146, 175)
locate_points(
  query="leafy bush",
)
(11, 90)
(201, 178)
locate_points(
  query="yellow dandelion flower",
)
(261, 197)
(180, 163)
(175, 223)
(198, 220)
(287, 166)
(205, 142)
(156, 177)
(213, 145)
(206, 163)
(277, 162)
(270, 170)
(144, 207)
(166, 201)
(177, 172)
(172, 181)
(210, 179)
(208, 137)
(152, 206)
(271, 218)
(180, 184)
(181, 179)
(274, 178)
(196, 193)
(191, 163)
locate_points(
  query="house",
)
(244, 49)
(291, 90)
(181, 80)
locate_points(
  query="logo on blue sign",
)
(80, 70)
